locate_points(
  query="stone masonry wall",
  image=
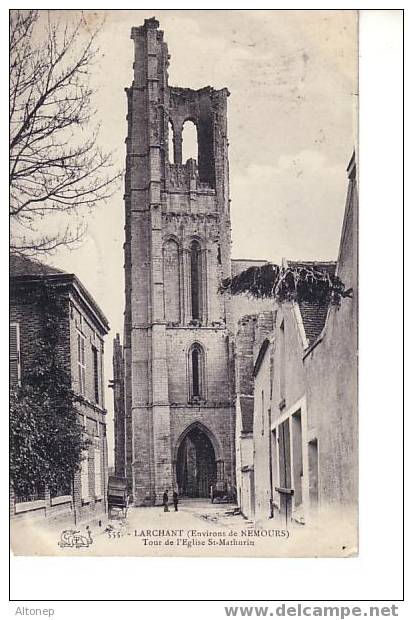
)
(170, 201)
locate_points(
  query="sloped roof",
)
(261, 353)
(241, 264)
(313, 314)
(247, 413)
(25, 271)
(23, 266)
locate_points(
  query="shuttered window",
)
(84, 474)
(15, 371)
(98, 474)
(96, 373)
(81, 364)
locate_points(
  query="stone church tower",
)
(177, 427)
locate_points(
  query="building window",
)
(84, 476)
(96, 373)
(196, 281)
(282, 363)
(81, 363)
(297, 457)
(196, 363)
(98, 474)
(15, 370)
(262, 412)
(92, 427)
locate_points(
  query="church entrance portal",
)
(196, 468)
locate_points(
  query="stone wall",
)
(332, 376)
(252, 331)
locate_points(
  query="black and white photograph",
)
(184, 283)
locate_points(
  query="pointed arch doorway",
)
(196, 463)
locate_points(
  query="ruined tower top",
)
(152, 22)
(149, 24)
(170, 108)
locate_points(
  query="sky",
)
(292, 116)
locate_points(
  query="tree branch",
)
(53, 168)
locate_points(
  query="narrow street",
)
(144, 531)
(151, 528)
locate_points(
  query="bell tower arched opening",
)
(189, 141)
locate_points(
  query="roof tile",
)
(23, 266)
(314, 314)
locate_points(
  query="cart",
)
(223, 492)
(118, 497)
(219, 491)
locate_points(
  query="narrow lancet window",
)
(196, 364)
(196, 281)
(171, 150)
(195, 373)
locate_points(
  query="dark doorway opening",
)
(285, 469)
(196, 468)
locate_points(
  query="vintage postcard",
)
(184, 283)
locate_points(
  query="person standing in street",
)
(175, 500)
(165, 501)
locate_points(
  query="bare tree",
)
(56, 165)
